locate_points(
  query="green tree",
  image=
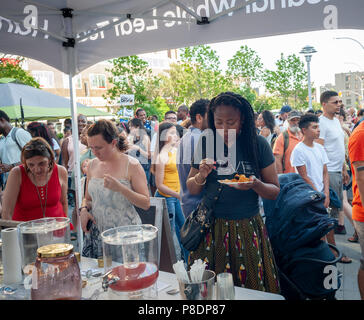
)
(129, 75)
(248, 93)
(197, 76)
(202, 68)
(177, 85)
(245, 65)
(288, 79)
(267, 103)
(9, 70)
(201, 55)
(302, 98)
(156, 107)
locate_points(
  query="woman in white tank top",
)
(116, 183)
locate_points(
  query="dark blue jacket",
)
(296, 221)
(297, 218)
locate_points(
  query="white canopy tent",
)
(72, 35)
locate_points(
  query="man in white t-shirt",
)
(332, 139)
(309, 158)
(11, 144)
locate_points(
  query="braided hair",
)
(248, 134)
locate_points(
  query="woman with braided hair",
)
(237, 242)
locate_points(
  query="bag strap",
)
(209, 202)
(84, 187)
(13, 136)
(286, 138)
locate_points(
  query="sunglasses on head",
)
(31, 147)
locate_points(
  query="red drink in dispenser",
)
(133, 279)
(131, 258)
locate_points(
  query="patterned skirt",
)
(242, 248)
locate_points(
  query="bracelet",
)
(79, 209)
(200, 184)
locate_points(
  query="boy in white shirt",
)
(310, 159)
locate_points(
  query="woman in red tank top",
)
(38, 187)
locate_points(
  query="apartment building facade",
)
(350, 86)
(91, 84)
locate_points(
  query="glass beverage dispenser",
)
(131, 261)
(37, 233)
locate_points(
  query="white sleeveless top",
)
(109, 208)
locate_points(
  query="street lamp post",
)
(307, 51)
(348, 38)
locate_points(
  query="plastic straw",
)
(197, 271)
(180, 271)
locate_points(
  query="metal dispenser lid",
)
(55, 250)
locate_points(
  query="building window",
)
(347, 78)
(348, 101)
(347, 85)
(77, 81)
(44, 78)
(98, 81)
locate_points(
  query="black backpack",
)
(273, 140)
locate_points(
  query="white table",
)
(166, 281)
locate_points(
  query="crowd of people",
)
(123, 164)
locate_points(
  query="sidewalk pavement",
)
(349, 286)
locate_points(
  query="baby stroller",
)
(296, 221)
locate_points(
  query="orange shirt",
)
(356, 153)
(278, 149)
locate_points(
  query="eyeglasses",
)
(171, 118)
(337, 101)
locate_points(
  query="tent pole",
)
(76, 149)
(71, 66)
